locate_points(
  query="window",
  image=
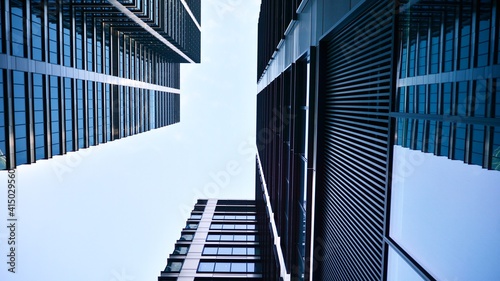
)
(444, 139)
(231, 237)
(181, 250)
(191, 226)
(2, 121)
(433, 98)
(477, 144)
(422, 50)
(228, 251)
(459, 149)
(186, 237)
(483, 39)
(80, 110)
(465, 34)
(68, 110)
(39, 115)
(233, 217)
(461, 99)
(195, 216)
(421, 99)
(239, 267)
(90, 112)
(173, 266)
(36, 30)
(20, 129)
(17, 27)
(495, 154)
(54, 114)
(480, 97)
(233, 226)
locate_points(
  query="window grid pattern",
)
(232, 226)
(234, 267)
(39, 115)
(448, 118)
(85, 37)
(231, 251)
(231, 237)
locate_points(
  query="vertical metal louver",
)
(353, 130)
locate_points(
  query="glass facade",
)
(85, 80)
(453, 116)
(220, 237)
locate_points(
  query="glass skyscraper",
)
(79, 73)
(378, 138)
(222, 240)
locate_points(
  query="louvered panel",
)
(353, 131)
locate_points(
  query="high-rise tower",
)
(79, 73)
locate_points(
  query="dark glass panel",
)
(36, 30)
(402, 99)
(420, 134)
(20, 129)
(477, 147)
(18, 36)
(462, 99)
(79, 104)
(459, 146)
(433, 98)
(465, 37)
(411, 59)
(480, 93)
(421, 99)
(448, 44)
(431, 136)
(444, 140)
(38, 106)
(411, 99)
(446, 99)
(483, 39)
(2, 119)
(404, 60)
(495, 150)
(68, 104)
(422, 50)
(54, 114)
(91, 112)
(53, 17)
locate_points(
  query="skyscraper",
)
(79, 73)
(378, 137)
(222, 240)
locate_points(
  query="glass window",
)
(90, 112)
(17, 27)
(100, 129)
(411, 59)
(459, 149)
(173, 266)
(444, 139)
(431, 136)
(80, 111)
(228, 226)
(53, 17)
(448, 44)
(1, 35)
(411, 99)
(446, 99)
(495, 154)
(480, 97)
(465, 37)
(434, 52)
(462, 98)
(36, 30)
(422, 50)
(421, 99)
(229, 237)
(420, 134)
(186, 237)
(483, 39)
(54, 114)
(222, 267)
(216, 226)
(225, 251)
(477, 147)
(68, 110)
(238, 267)
(39, 115)
(206, 267)
(409, 133)
(433, 98)
(20, 129)
(195, 217)
(213, 237)
(239, 251)
(192, 226)
(448, 225)
(402, 99)
(210, 251)
(107, 88)
(218, 217)
(181, 250)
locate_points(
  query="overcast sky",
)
(113, 212)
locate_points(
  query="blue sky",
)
(113, 212)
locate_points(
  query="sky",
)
(113, 212)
